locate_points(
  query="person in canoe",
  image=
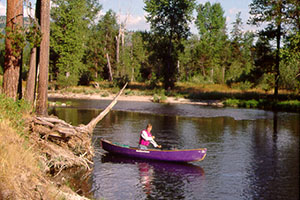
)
(146, 138)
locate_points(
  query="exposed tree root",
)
(62, 145)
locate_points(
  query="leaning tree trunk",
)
(109, 68)
(90, 126)
(13, 48)
(41, 107)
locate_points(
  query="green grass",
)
(289, 105)
(12, 110)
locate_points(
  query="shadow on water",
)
(156, 179)
(176, 169)
(275, 162)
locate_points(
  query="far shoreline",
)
(136, 98)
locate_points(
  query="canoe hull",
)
(189, 155)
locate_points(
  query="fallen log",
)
(64, 145)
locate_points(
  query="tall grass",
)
(18, 164)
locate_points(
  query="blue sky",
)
(136, 19)
(132, 10)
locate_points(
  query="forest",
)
(87, 47)
(67, 44)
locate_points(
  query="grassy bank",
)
(22, 173)
(288, 105)
(233, 97)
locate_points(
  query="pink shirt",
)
(146, 139)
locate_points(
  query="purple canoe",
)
(187, 155)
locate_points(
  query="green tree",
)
(237, 32)
(241, 57)
(108, 28)
(70, 20)
(264, 61)
(94, 55)
(169, 21)
(290, 63)
(213, 47)
(275, 16)
(133, 56)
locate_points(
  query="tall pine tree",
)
(69, 25)
(14, 43)
(169, 20)
(213, 46)
(274, 15)
(42, 98)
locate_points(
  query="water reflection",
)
(171, 109)
(252, 154)
(276, 158)
(160, 179)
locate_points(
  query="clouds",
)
(2, 8)
(135, 22)
(27, 10)
(132, 10)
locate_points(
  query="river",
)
(252, 154)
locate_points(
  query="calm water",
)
(252, 154)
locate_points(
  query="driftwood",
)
(64, 145)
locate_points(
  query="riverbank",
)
(26, 171)
(133, 98)
(204, 95)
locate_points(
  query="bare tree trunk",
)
(178, 69)
(92, 124)
(223, 75)
(30, 85)
(12, 60)
(277, 71)
(118, 46)
(109, 68)
(41, 107)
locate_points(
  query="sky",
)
(132, 10)
(136, 19)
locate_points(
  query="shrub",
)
(199, 79)
(251, 103)
(105, 94)
(292, 105)
(246, 85)
(156, 98)
(232, 102)
(267, 82)
(163, 98)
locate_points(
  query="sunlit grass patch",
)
(13, 111)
